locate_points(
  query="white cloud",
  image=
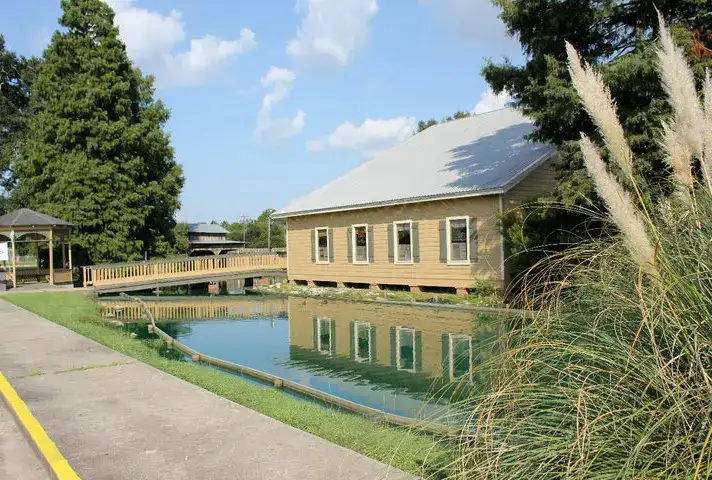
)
(275, 130)
(372, 134)
(151, 37)
(476, 21)
(332, 30)
(490, 101)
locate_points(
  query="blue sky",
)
(272, 99)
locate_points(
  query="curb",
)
(48, 453)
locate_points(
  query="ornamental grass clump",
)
(613, 377)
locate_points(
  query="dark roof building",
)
(210, 239)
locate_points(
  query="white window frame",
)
(395, 242)
(353, 245)
(330, 322)
(451, 356)
(370, 350)
(450, 261)
(400, 329)
(316, 246)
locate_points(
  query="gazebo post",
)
(51, 259)
(69, 249)
(64, 254)
(14, 267)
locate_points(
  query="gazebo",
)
(27, 226)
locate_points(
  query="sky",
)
(271, 99)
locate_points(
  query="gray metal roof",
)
(206, 228)
(24, 217)
(480, 155)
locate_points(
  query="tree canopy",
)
(255, 231)
(619, 38)
(16, 76)
(96, 153)
(422, 125)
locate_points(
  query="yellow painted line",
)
(51, 456)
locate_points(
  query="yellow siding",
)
(540, 181)
(428, 272)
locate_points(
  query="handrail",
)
(293, 387)
(136, 272)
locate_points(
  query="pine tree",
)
(97, 154)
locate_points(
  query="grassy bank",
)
(486, 298)
(410, 451)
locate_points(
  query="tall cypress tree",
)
(97, 154)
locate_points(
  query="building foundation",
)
(415, 289)
(462, 292)
(374, 286)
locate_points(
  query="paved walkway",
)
(17, 459)
(115, 418)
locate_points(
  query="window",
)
(322, 245)
(405, 349)
(404, 244)
(460, 358)
(360, 242)
(458, 231)
(324, 335)
(362, 341)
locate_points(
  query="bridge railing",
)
(176, 268)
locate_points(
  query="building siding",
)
(541, 181)
(429, 272)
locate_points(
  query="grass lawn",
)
(488, 298)
(406, 449)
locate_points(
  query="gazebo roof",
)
(24, 217)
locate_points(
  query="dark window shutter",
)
(445, 340)
(418, 351)
(349, 245)
(313, 246)
(374, 356)
(415, 241)
(443, 241)
(315, 324)
(330, 232)
(394, 358)
(352, 340)
(370, 244)
(473, 239)
(390, 243)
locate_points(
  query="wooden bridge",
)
(124, 277)
(179, 309)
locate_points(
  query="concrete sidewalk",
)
(17, 459)
(115, 418)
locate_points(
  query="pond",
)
(404, 360)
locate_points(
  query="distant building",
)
(210, 239)
(424, 214)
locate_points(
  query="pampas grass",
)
(613, 377)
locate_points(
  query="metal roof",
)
(206, 228)
(479, 155)
(24, 217)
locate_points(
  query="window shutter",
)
(315, 324)
(445, 340)
(418, 351)
(349, 245)
(370, 244)
(473, 239)
(374, 357)
(313, 246)
(332, 334)
(394, 358)
(443, 241)
(330, 232)
(390, 243)
(415, 240)
(352, 340)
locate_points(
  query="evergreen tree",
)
(96, 153)
(16, 75)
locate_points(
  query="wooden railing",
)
(178, 268)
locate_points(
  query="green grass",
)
(486, 296)
(406, 449)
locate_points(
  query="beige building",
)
(424, 214)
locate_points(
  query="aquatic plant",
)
(613, 377)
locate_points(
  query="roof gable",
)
(206, 228)
(479, 155)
